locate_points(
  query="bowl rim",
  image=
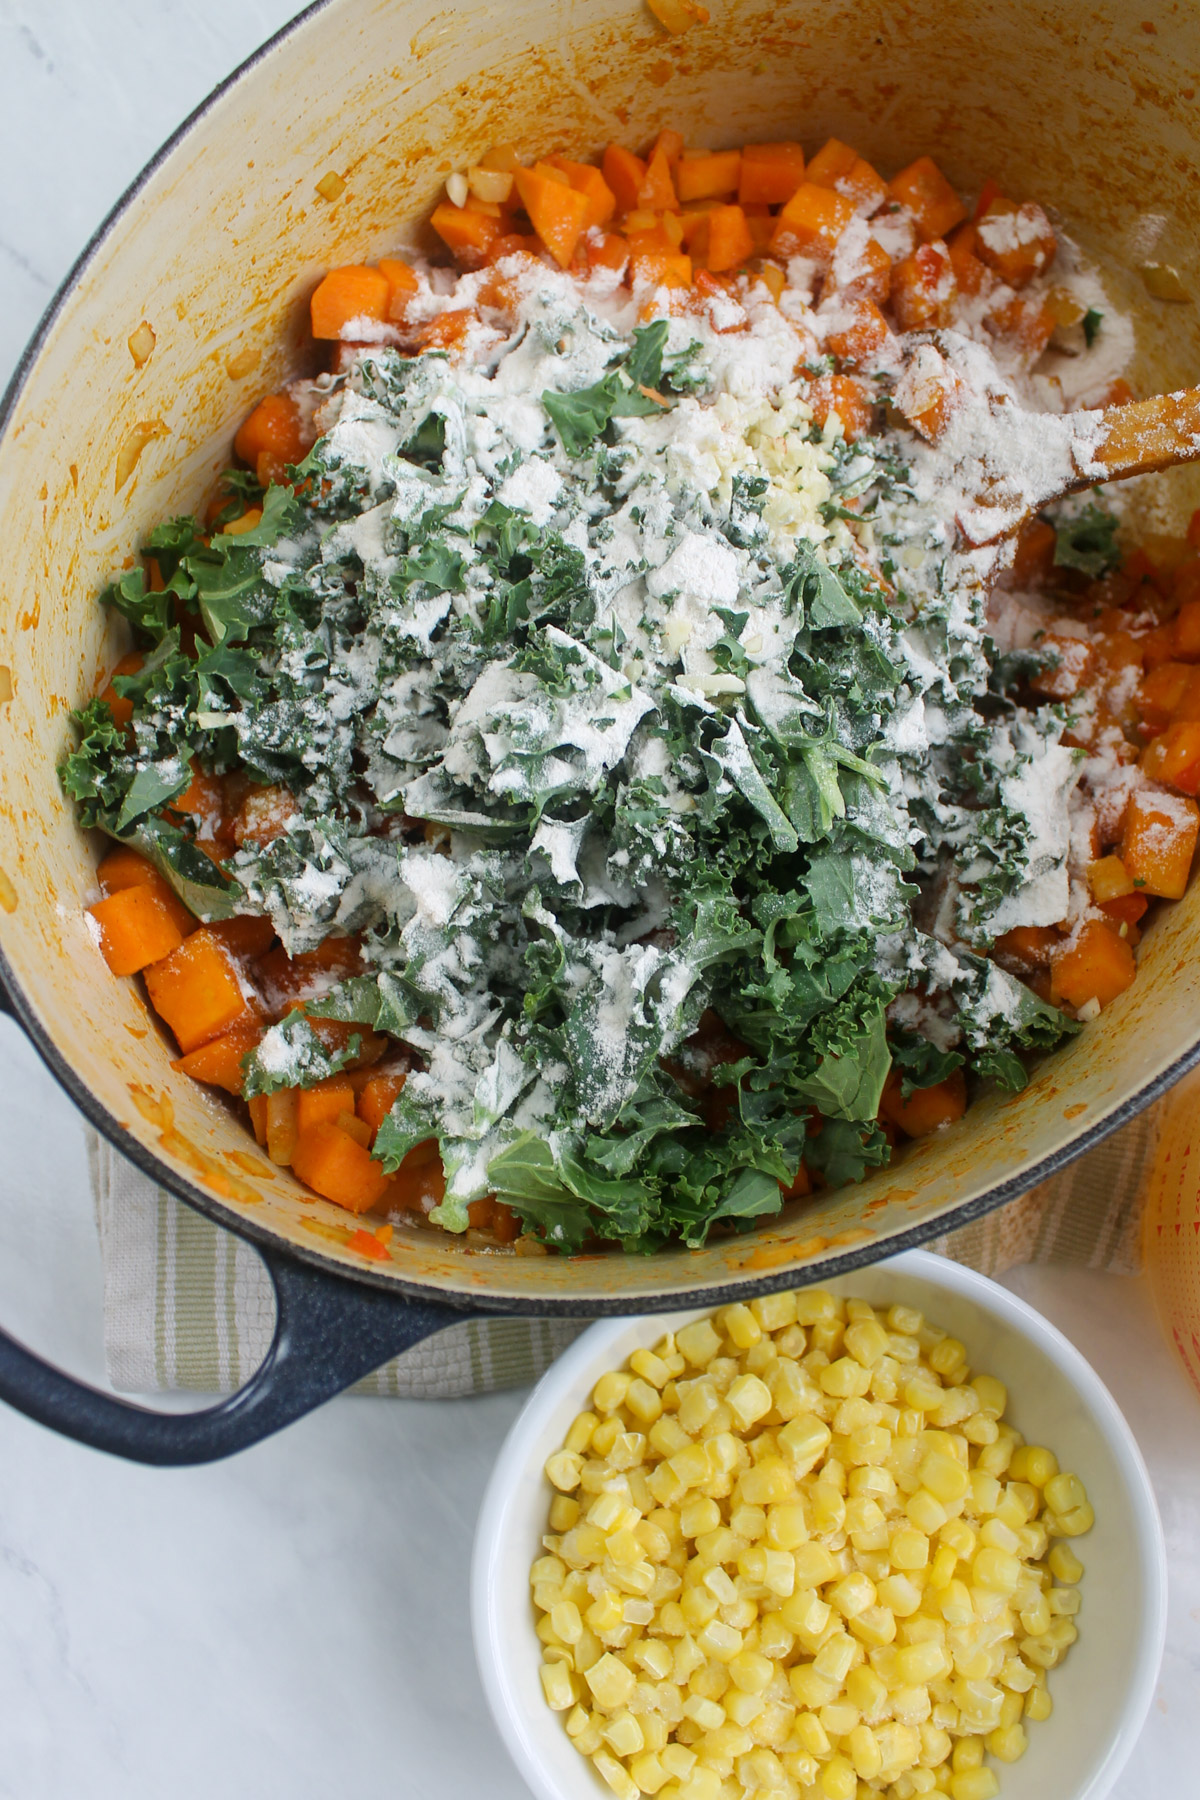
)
(670, 1297)
(491, 1628)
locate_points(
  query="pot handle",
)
(328, 1333)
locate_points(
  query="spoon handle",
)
(1147, 435)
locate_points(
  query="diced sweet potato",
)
(933, 203)
(1096, 965)
(557, 211)
(324, 1100)
(1174, 757)
(346, 299)
(1070, 671)
(770, 173)
(1158, 842)
(1016, 241)
(838, 166)
(849, 399)
(971, 275)
(203, 800)
(136, 928)
(661, 268)
(124, 868)
(862, 337)
(799, 1186)
(118, 705)
(925, 1109)
(708, 177)
(1026, 326)
(729, 238)
(257, 1106)
(924, 288)
(198, 991)
(219, 1063)
(378, 1096)
(811, 224)
(287, 978)
(338, 1168)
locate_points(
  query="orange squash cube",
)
(119, 705)
(869, 276)
(729, 239)
(1109, 879)
(1174, 756)
(624, 172)
(849, 399)
(1026, 325)
(378, 1096)
(324, 1100)
(274, 428)
(338, 1168)
(247, 936)
(811, 224)
(770, 173)
(124, 868)
(924, 288)
(933, 203)
(470, 234)
(1033, 557)
(281, 1125)
(1072, 670)
(862, 337)
(136, 928)
(1097, 965)
(708, 177)
(199, 991)
(1185, 632)
(402, 285)
(556, 211)
(657, 189)
(419, 1184)
(587, 180)
(660, 268)
(1033, 945)
(1158, 842)
(219, 1063)
(971, 275)
(838, 166)
(346, 297)
(1017, 242)
(926, 1109)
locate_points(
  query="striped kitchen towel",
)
(188, 1305)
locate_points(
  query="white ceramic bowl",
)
(1103, 1688)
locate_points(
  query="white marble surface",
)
(294, 1622)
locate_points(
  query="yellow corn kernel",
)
(947, 1356)
(607, 1511)
(558, 1685)
(917, 1663)
(1063, 1563)
(804, 1441)
(564, 1513)
(612, 1684)
(998, 1570)
(698, 1515)
(703, 1783)
(909, 1548)
(786, 1525)
(986, 1492)
(867, 1342)
(1038, 1704)
(815, 1306)
(811, 1688)
(565, 1619)
(667, 1436)
(993, 1395)
(616, 1775)
(974, 1784)
(749, 1398)
(719, 1640)
(750, 1671)
(678, 1760)
(967, 1754)
(835, 1657)
(643, 1401)
(852, 1595)
(1035, 1618)
(869, 1444)
(606, 1613)
(1033, 1463)
(698, 1343)
(579, 1436)
(900, 1594)
(1008, 1743)
(925, 1511)
(609, 1392)
(563, 1469)
(740, 1326)
(941, 1569)
(1064, 1602)
(810, 1734)
(650, 1367)
(922, 1392)
(768, 1483)
(839, 1718)
(844, 1378)
(775, 1312)
(996, 1535)
(866, 1689)
(648, 1773)
(623, 1734)
(606, 1434)
(944, 1476)
(743, 1710)
(703, 1712)
(837, 1780)
(1074, 1523)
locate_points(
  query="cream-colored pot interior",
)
(1081, 105)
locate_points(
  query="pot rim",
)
(212, 1207)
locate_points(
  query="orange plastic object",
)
(346, 296)
(929, 197)
(1159, 841)
(811, 223)
(1099, 965)
(1171, 1223)
(708, 177)
(337, 1168)
(136, 928)
(198, 991)
(770, 174)
(219, 1064)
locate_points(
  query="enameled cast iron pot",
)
(1084, 104)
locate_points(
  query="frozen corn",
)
(796, 1552)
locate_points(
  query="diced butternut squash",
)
(606, 250)
(312, 972)
(119, 705)
(670, 142)
(402, 285)
(660, 269)
(347, 299)
(624, 172)
(708, 177)
(849, 399)
(1033, 557)
(199, 992)
(469, 233)
(258, 1118)
(657, 189)
(971, 275)
(354, 1127)
(838, 166)
(263, 816)
(1096, 965)
(275, 428)
(1109, 879)
(419, 1184)
(203, 800)
(1017, 242)
(1070, 670)
(1026, 326)
(729, 239)
(1126, 909)
(867, 277)
(864, 334)
(933, 203)
(557, 212)
(247, 935)
(799, 1186)
(378, 1096)
(1158, 842)
(587, 180)
(923, 288)
(338, 1168)
(1174, 757)
(811, 224)
(219, 1063)
(136, 928)
(124, 868)
(281, 1125)
(770, 173)
(1033, 945)
(925, 1109)
(1185, 632)
(324, 1100)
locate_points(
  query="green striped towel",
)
(187, 1305)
